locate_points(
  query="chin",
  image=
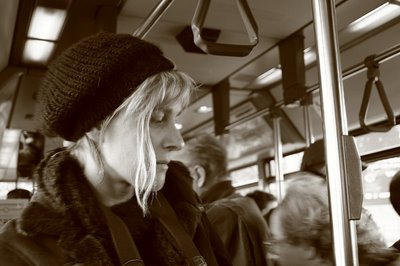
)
(160, 181)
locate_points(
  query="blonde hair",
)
(159, 91)
(304, 213)
(305, 219)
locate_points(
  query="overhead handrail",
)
(152, 18)
(347, 73)
(224, 48)
(373, 78)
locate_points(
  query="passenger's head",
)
(19, 193)
(314, 159)
(301, 229)
(300, 224)
(206, 158)
(264, 200)
(117, 97)
(394, 189)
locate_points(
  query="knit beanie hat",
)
(89, 80)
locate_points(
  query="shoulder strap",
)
(126, 248)
(162, 210)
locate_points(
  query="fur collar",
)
(65, 207)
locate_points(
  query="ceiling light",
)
(204, 109)
(271, 76)
(376, 17)
(36, 51)
(46, 23)
(310, 56)
(275, 74)
(178, 126)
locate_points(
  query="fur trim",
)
(66, 208)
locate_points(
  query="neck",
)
(112, 191)
(109, 189)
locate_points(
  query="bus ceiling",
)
(254, 84)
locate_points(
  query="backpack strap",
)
(125, 246)
(163, 211)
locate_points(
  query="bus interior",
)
(257, 66)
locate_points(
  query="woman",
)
(301, 229)
(113, 197)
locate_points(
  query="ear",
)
(199, 175)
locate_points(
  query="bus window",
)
(6, 186)
(244, 176)
(246, 179)
(291, 163)
(376, 180)
(378, 141)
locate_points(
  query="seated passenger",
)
(265, 201)
(19, 193)
(237, 219)
(301, 229)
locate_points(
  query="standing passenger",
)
(314, 159)
(237, 219)
(114, 197)
(301, 229)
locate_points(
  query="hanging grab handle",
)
(224, 48)
(373, 77)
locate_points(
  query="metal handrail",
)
(373, 78)
(347, 73)
(152, 18)
(224, 48)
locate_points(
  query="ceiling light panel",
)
(46, 23)
(36, 51)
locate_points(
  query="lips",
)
(162, 164)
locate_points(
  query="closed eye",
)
(158, 117)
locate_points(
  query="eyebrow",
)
(168, 110)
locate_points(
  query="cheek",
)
(119, 150)
(156, 137)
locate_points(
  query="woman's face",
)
(279, 249)
(120, 147)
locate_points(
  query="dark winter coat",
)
(64, 225)
(239, 223)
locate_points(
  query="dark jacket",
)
(64, 225)
(239, 223)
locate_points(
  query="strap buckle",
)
(134, 262)
(198, 261)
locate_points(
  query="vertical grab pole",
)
(335, 126)
(307, 125)
(306, 102)
(278, 157)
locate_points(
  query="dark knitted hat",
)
(88, 81)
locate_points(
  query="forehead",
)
(172, 108)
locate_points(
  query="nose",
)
(173, 140)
